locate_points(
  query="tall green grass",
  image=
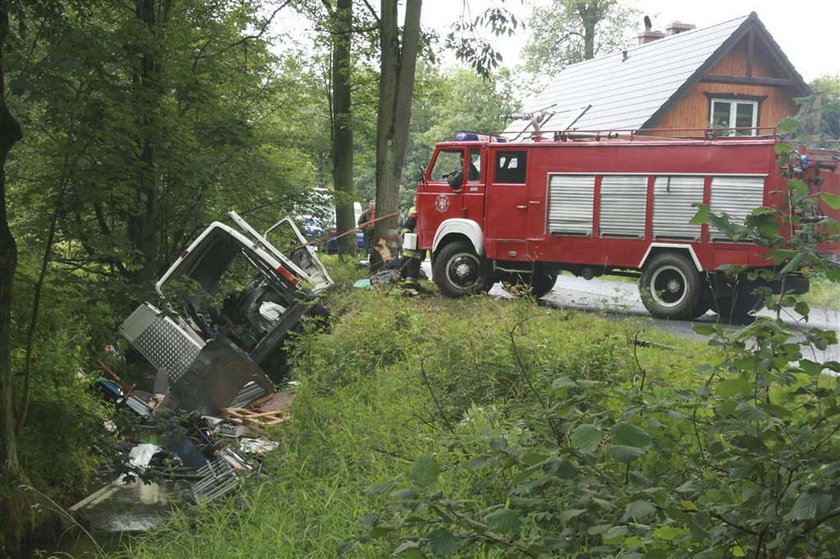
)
(395, 378)
(823, 294)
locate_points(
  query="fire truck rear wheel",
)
(459, 271)
(542, 282)
(670, 286)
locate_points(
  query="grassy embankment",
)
(363, 410)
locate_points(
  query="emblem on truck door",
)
(442, 203)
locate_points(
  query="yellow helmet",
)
(412, 211)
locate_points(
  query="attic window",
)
(738, 114)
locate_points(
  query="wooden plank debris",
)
(245, 416)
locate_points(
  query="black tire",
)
(734, 304)
(458, 270)
(705, 302)
(542, 281)
(671, 287)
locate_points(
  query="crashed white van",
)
(229, 303)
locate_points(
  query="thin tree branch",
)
(372, 11)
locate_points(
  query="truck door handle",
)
(534, 202)
(522, 207)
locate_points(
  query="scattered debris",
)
(229, 303)
(257, 446)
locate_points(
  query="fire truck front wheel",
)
(459, 271)
(670, 286)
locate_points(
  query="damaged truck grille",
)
(159, 339)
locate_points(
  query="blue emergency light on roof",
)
(470, 137)
(473, 137)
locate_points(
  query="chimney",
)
(650, 36)
(678, 27)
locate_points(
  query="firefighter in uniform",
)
(412, 256)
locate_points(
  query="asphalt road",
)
(621, 299)
(617, 298)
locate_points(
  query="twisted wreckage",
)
(230, 301)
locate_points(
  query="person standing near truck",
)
(366, 224)
(410, 254)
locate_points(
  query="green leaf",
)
(533, 458)
(615, 535)
(780, 255)
(408, 548)
(498, 443)
(802, 308)
(833, 200)
(569, 514)
(563, 382)
(702, 216)
(737, 551)
(345, 548)
(763, 210)
(670, 533)
(808, 505)
(425, 470)
(799, 186)
(624, 454)
(505, 521)
(639, 511)
(787, 125)
(733, 387)
(630, 435)
(782, 148)
(560, 468)
(408, 493)
(442, 543)
(705, 329)
(586, 438)
(766, 225)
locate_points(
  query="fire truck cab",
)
(490, 210)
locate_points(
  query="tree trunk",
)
(10, 133)
(342, 141)
(396, 85)
(144, 219)
(589, 16)
(12, 507)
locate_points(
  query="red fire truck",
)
(491, 210)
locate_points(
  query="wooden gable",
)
(749, 66)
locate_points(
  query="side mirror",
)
(423, 175)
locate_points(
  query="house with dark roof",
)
(732, 75)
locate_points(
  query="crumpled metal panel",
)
(215, 378)
(161, 340)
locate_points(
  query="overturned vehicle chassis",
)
(230, 301)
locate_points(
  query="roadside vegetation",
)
(397, 378)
